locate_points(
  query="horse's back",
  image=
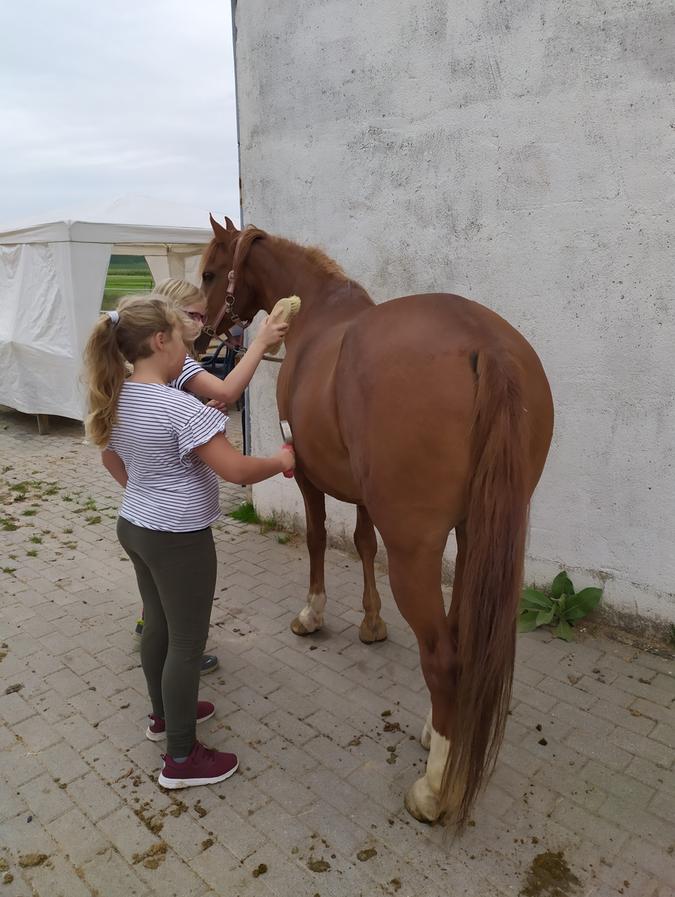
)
(437, 322)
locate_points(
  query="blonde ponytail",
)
(111, 345)
(106, 371)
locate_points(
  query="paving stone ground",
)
(326, 729)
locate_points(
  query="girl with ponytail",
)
(167, 450)
(190, 302)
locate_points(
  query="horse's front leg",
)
(373, 628)
(310, 618)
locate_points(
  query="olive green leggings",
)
(176, 575)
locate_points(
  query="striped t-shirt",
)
(169, 487)
(190, 368)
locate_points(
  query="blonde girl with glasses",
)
(191, 303)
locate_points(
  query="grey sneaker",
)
(209, 664)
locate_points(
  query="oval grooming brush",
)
(283, 312)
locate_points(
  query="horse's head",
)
(229, 295)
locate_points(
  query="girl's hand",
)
(221, 406)
(271, 333)
(286, 456)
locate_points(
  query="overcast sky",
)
(102, 99)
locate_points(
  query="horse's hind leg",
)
(373, 627)
(425, 737)
(453, 616)
(415, 576)
(310, 618)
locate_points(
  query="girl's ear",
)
(158, 340)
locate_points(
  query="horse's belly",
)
(306, 394)
(344, 490)
(326, 466)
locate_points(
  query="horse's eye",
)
(208, 276)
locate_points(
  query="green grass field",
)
(126, 274)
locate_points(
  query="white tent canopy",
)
(52, 277)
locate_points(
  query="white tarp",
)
(52, 277)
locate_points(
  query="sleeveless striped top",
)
(169, 487)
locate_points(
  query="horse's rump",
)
(406, 383)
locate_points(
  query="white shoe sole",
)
(190, 783)
(159, 736)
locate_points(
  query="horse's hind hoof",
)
(369, 634)
(422, 803)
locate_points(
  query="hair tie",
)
(114, 317)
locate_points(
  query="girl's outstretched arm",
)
(221, 456)
(229, 390)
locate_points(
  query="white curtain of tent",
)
(169, 264)
(43, 318)
(52, 278)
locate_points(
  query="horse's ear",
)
(230, 224)
(219, 231)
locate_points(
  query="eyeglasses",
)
(196, 316)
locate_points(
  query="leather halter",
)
(227, 308)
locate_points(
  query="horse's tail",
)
(495, 526)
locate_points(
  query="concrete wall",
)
(520, 153)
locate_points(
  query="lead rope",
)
(240, 350)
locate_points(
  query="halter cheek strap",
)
(225, 309)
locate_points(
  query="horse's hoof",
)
(310, 617)
(422, 803)
(369, 634)
(299, 628)
(307, 627)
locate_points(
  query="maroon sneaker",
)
(202, 767)
(157, 728)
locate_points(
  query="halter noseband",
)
(227, 308)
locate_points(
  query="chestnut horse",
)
(429, 413)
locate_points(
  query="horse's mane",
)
(314, 255)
